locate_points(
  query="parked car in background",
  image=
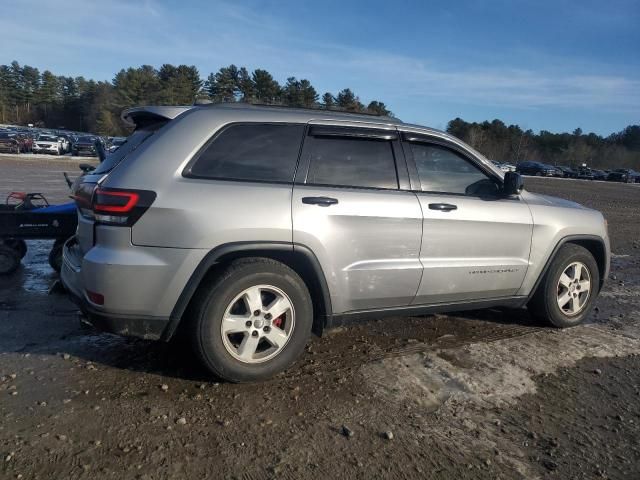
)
(67, 142)
(599, 174)
(26, 139)
(47, 143)
(568, 172)
(248, 227)
(14, 142)
(536, 168)
(85, 146)
(585, 173)
(624, 175)
(504, 166)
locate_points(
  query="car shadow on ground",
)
(49, 324)
(354, 344)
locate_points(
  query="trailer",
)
(28, 216)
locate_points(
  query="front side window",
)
(259, 152)
(352, 162)
(442, 170)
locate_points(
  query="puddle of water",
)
(35, 274)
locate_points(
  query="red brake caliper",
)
(278, 321)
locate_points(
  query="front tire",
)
(568, 290)
(252, 321)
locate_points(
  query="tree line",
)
(503, 143)
(76, 103)
(54, 101)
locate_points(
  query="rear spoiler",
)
(141, 116)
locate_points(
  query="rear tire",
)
(569, 288)
(232, 331)
(9, 260)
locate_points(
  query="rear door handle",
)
(443, 207)
(321, 201)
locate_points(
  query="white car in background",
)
(46, 143)
(65, 144)
(505, 167)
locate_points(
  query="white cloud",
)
(106, 36)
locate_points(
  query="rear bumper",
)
(150, 328)
(140, 285)
(143, 326)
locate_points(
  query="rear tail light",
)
(112, 206)
(120, 207)
(114, 201)
(96, 298)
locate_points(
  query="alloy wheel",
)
(574, 289)
(257, 324)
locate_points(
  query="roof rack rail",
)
(318, 108)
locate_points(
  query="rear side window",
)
(352, 162)
(251, 152)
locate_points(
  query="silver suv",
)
(249, 227)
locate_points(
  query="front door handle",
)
(321, 201)
(443, 207)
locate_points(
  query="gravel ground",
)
(484, 394)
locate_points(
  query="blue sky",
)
(553, 65)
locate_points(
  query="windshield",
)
(130, 144)
(86, 139)
(47, 138)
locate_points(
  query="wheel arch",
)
(298, 257)
(593, 243)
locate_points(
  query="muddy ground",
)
(486, 394)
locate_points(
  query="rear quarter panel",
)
(198, 213)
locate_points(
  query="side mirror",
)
(513, 183)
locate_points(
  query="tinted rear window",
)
(260, 152)
(132, 142)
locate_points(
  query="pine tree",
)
(267, 90)
(299, 93)
(379, 108)
(179, 85)
(328, 100)
(308, 94)
(348, 100)
(246, 87)
(138, 86)
(223, 86)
